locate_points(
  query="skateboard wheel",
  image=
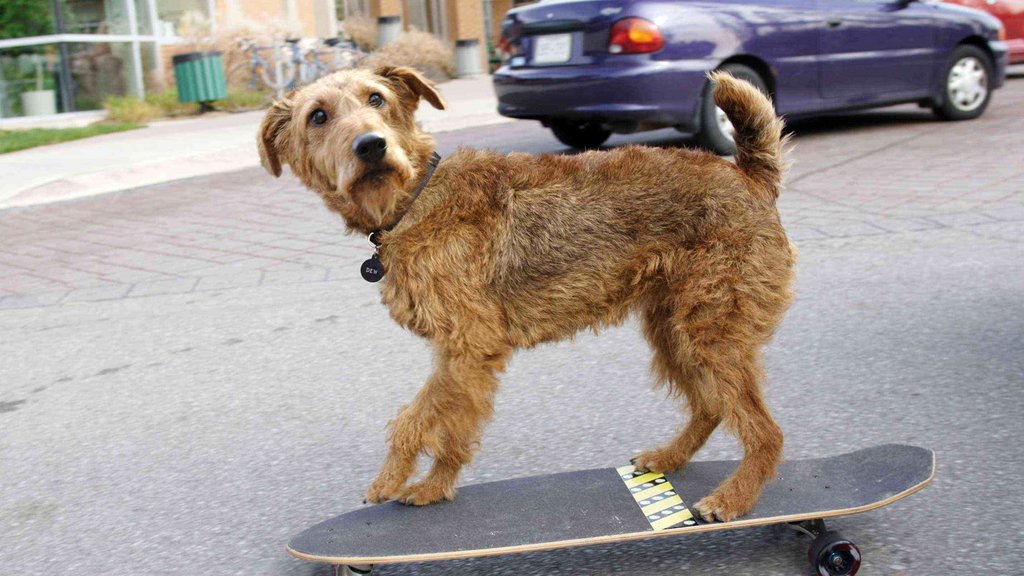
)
(832, 555)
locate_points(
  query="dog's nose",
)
(370, 147)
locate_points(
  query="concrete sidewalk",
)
(175, 149)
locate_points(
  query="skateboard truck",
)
(357, 570)
(830, 554)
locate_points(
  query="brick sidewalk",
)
(873, 173)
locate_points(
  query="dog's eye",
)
(318, 117)
(376, 100)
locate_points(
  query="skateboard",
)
(608, 505)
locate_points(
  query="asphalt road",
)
(193, 429)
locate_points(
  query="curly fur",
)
(507, 251)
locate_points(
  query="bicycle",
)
(346, 54)
(296, 62)
(278, 73)
(307, 70)
(312, 62)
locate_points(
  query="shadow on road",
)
(800, 127)
(854, 120)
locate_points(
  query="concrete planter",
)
(39, 102)
(467, 58)
(388, 28)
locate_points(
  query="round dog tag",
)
(372, 270)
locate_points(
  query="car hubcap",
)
(724, 125)
(967, 86)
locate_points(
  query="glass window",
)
(96, 17)
(29, 81)
(31, 77)
(154, 73)
(100, 70)
(182, 17)
(144, 24)
(351, 8)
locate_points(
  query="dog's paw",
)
(382, 489)
(426, 492)
(719, 507)
(657, 461)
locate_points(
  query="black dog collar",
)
(372, 269)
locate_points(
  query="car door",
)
(876, 50)
(787, 35)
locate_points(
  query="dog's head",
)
(352, 138)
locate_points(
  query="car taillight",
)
(504, 48)
(634, 36)
(510, 44)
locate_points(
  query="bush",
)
(20, 18)
(420, 50)
(165, 105)
(362, 30)
(167, 102)
(229, 40)
(131, 109)
(239, 100)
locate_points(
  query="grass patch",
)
(131, 109)
(11, 140)
(238, 100)
(165, 104)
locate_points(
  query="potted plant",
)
(39, 102)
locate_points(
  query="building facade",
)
(70, 55)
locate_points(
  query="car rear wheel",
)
(966, 90)
(582, 135)
(715, 128)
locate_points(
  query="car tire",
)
(581, 135)
(715, 128)
(966, 85)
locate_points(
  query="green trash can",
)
(200, 78)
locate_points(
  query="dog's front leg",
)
(405, 441)
(407, 437)
(460, 400)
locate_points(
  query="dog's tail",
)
(760, 145)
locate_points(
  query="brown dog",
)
(507, 251)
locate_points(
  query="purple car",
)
(588, 68)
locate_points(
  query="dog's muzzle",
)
(370, 147)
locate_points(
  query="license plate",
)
(552, 48)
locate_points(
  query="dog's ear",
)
(414, 82)
(272, 132)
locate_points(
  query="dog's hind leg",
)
(712, 337)
(676, 371)
(736, 377)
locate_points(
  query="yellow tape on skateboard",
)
(656, 498)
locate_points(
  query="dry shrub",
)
(195, 31)
(362, 30)
(420, 50)
(131, 109)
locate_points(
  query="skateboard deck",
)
(608, 505)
